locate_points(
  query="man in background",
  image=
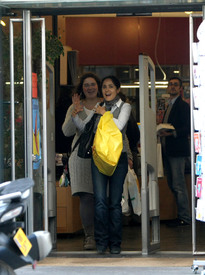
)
(175, 148)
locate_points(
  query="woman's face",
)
(109, 90)
(90, 88)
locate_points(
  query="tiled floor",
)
(171, 239)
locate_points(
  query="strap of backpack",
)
(93, 118)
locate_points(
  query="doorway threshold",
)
(127, 254)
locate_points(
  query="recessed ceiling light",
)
(188, 12)
(2, 23)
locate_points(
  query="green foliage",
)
(19, 141)
(54, 47)
(18, 58)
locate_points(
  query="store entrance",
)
(132, 235)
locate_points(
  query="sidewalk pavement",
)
(93, 270)
(168, 264)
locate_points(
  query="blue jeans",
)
(108, 211)
(175, 168)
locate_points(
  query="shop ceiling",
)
(126, 8)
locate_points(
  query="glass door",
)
(1, 102)
(23, 108)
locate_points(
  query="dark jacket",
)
(133, 133)
(179, 117)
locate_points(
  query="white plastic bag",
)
(131, 190)
(125, 198)
(160, 168)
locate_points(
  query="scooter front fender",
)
(41, 247)
(44, 243)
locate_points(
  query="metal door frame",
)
(148, 137)
(28, 132)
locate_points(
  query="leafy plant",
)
(54, 47)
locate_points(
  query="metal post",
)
(43, 39)
(12, 102)
(44, 116)
(28, 109)
(192, 134)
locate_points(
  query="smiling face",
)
(109, 90)
(90, 88)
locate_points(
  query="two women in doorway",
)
(107, 190)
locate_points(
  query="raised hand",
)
(76, 99)
(100, 110)
(78, 107)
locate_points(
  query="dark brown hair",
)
(114, 80)
(79, 87)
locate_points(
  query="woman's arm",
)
(79, 123)
(123, 117)
(68, 127)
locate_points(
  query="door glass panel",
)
(1, 105)
(18, 102)
(37, 127)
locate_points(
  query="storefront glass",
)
(18, 101)
(1, 106)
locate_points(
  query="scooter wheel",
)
(6, 269)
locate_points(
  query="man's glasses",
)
(175, 84)
(87, 85)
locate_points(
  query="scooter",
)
(17, 249)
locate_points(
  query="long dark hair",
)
(114, 79)
(79, 87)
